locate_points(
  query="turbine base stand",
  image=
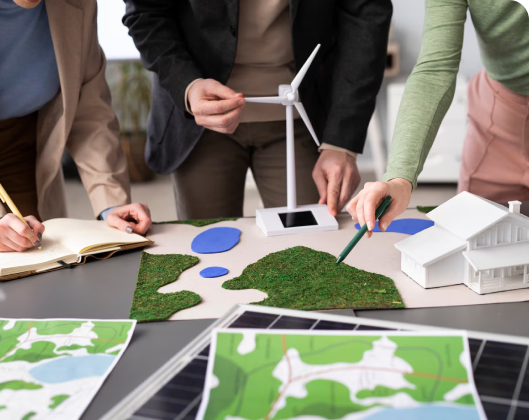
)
(303, 219)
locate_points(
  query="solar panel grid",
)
(372, 328)
(329, 325)
(292, 323)
(497, 372)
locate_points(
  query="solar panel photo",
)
(500, 371)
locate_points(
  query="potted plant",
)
(131, 91)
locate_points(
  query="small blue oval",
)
(212, 272)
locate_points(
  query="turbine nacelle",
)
(289, 96)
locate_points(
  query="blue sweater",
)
(29, 77)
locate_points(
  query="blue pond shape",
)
(215, 240)
(212, 272)
(430, 412)
(407, 226)
(69, 368)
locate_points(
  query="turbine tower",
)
(293, 218)
(289, 96)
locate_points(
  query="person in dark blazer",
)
(208, 55)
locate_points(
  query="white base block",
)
(270, 223)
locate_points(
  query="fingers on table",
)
(131, 218)
(349, 184)
(142, 215)
(333, 191)
(117, 220)
(321, 183)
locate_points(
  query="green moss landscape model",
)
(196, 223)
(157, 271)
(295, 278)
(302, 278)
(426, 209)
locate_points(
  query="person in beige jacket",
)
(53, 95)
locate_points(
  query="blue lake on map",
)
(430, 412)
(69, 368)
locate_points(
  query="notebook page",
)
(33, 259)
(81, 235)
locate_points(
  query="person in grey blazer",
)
(208, 55)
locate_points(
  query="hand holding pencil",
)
(18, 233)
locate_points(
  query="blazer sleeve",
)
(361, 50)
(155, 31)
(93, 141)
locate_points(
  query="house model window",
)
(470, 243)
(521, 234)
(483, 239)
(504, 233)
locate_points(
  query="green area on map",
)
(108, 334)
(28, 346)
(273, 376)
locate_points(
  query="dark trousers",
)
(18, 155)
(210, 183)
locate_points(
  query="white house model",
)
(474, 242)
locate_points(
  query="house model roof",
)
(466, 215)
(499, 256)
(430, 245)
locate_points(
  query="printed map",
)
(350, 375)
(53, 368)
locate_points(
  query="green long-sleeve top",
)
(503, 32)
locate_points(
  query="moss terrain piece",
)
(196, 223)
(302, 278)
(426, 209)
(157, 271)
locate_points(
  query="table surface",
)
(104, 290)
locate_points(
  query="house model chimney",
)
(514, 207)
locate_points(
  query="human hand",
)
(362, 207)
(215, 106)
(336, 177)
(16, 236)
(131, 218)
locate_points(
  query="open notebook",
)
(69, 241)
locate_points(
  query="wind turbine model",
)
(293, 219)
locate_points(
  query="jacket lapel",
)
(55, 119)
(233, 12)
(293, 10)
(66, 26)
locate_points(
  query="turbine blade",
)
(301, 110)
(266, 100)
(301, 73)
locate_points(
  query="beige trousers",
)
(210, 183)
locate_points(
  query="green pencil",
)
(378, 214)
